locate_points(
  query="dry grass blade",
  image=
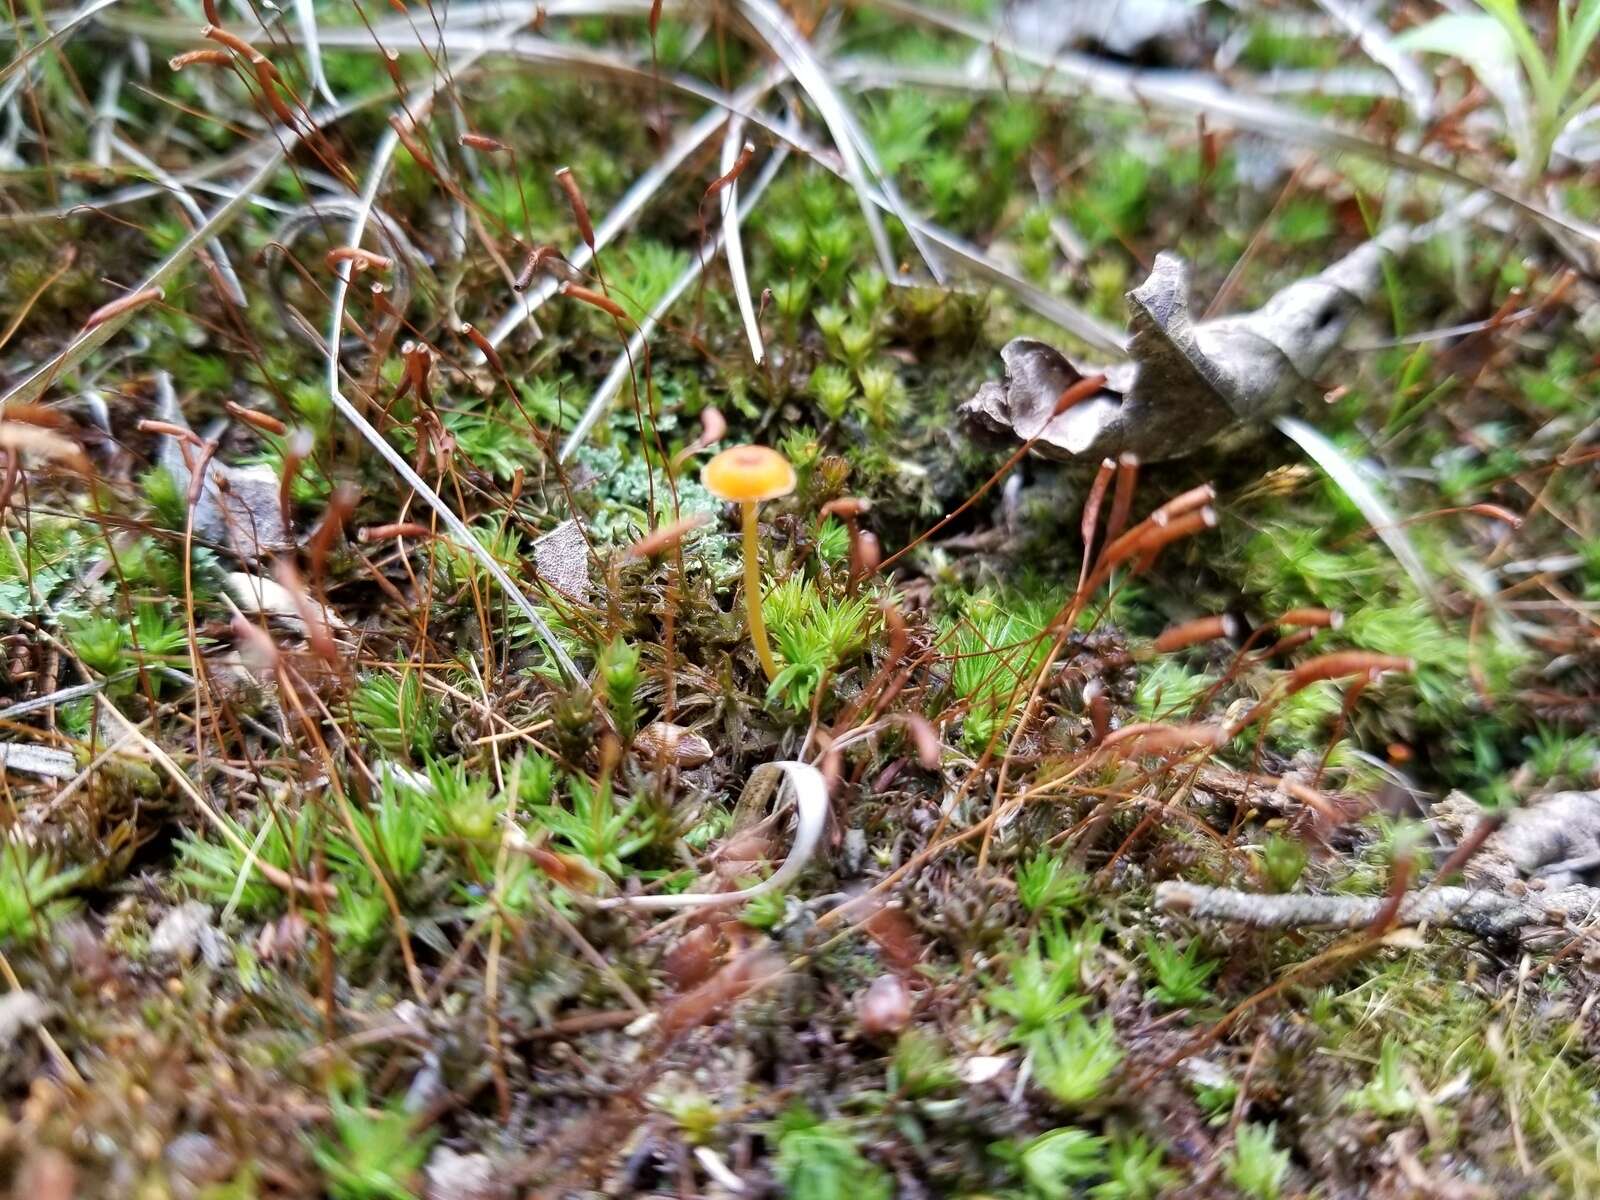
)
(268, 154)
(1191, 93)
(521, 12)
(1064, 74)
(732, 144)
(273, 875)
(181, 194)
(305, 13)
(611, 385)
(775, 29)
(810, 792)
(1375, 42)
(32, 386)
(201, 177)
(1367, 82)
(1082, 325)
(378, 171)
(1378, 513)
(1079, 323)
(56, 35)
(627, 210)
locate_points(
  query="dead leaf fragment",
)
(20, 1010)
(237, 507)
(45, 761)
(183, 931)
(885, 1007)
(1122, 28)
(18, 437)
(561, 558)
(1188, 382)
(676, 745)
(256, 595)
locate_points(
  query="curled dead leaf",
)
(1189, 381)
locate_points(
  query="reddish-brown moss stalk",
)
(256, 419)
(384, 533)
(122, 305)
(666, 537)
(1122, 498)
(1201, 629)
(191, 58)
(580, 211)
(1313, 618)
(1344, 663)
(593, 298)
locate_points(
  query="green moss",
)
(1111, 203)
(522, 807)
(1167, 689)
(1523, 1067)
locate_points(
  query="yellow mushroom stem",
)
(752, 590)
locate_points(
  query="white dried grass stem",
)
(810, 793)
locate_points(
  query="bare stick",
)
(1486, 914)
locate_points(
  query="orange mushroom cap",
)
(748, 474)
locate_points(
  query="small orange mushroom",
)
(748, 475)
